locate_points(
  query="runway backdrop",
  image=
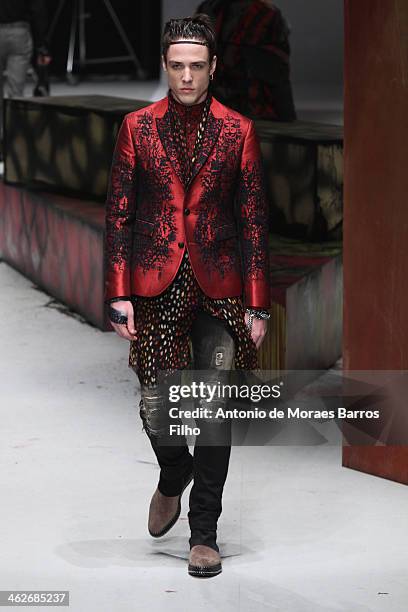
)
(317, 47)
(141, 21)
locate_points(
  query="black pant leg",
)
(174, 459)
(213, 351)
(162, 346)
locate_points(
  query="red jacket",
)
(221, 217)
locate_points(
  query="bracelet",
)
(250, 320)
(116, 316)
(258, 314)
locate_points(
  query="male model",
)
(187, 266)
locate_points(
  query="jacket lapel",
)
(211, 133)
(164, 130)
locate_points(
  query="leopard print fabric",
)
(163, 324)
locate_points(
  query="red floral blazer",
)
(220, 217)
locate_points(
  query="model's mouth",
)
(186, 89)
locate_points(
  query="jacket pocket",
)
(225, 231)
(143, 227)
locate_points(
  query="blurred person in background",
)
(253, 70)
(23, 26)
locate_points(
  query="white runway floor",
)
(299, 533)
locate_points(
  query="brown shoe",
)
(204, 562)
(164, 511)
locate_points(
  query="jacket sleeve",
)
(253, 214)
(120, 215)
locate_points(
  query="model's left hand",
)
(259, 328)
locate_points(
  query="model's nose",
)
(187, 76)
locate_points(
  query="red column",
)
(376, 205)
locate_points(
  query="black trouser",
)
(213, 351)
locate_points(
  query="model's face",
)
(188, 71)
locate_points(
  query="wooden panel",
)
(63, 143)
(58, 243)
(303, 163)
(305, 329)
(390, 462)
(375, 204)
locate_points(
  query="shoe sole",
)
(204, 572)
(175, 518)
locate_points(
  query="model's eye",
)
(176, 66)
(198, 66)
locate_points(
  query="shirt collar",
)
(193, 111)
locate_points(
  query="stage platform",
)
(65, 144)
(58, 243)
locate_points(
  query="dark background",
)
(141, 21)
(316, 40)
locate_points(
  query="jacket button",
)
(181, 244)
(186, 211)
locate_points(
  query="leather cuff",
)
(124, 298)
(117, 317)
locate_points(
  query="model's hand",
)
(126, 331)
(259, 327)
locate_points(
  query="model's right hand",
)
(128, 330)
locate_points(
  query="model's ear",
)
(213, 64)
(164, 63)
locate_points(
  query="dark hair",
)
(199, 27)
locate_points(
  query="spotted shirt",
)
(163, 325)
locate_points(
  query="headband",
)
(190, 42)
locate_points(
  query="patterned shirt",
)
(189, 117)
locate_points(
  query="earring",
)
(212, 76)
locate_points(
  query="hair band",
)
(190, 42)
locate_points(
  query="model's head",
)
(189, 58)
